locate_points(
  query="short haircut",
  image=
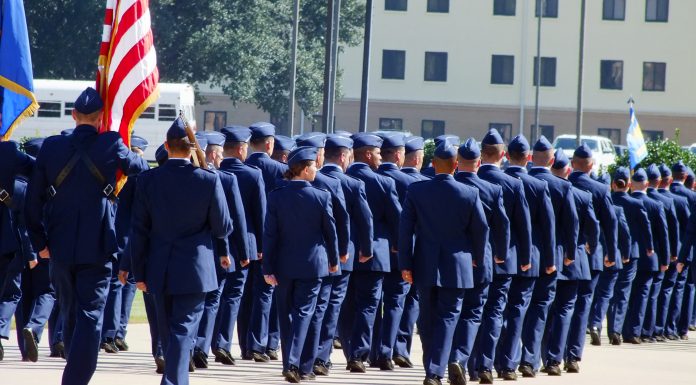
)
(179, 145)
(492, 150)
(259, 141)
(335, 152)
(296, 169)
(232, 146)
(518, 156)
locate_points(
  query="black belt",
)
(5, 197)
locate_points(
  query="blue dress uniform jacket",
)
(623, 243)
(603, 206)
(13, 162)
(681, 190)
(638, 224)
(339, 212)
(543, 221)
(271, 170)
(579, 270)
(79, 226)
(413, 172)
(318, 245)
(238, 241)
(658, 225)
(401, 180)
(566, 214)
(491, 196)
(517, 211)
(670, 217)
(179, 211)
(384, 205)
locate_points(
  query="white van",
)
(56, 99)
(603, 151)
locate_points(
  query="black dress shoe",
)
(432, 380)
(337, 344)
(553, 368)
(508, 375)
(320, 368)
(58, 350)
(109, 346)
(527, 370)
(2, 352)
(672, 337)
(308, 377)
(402, 362)
(121, 344)
(260, 357)
(632, 340)
(30, 346)
(485, 376)
(200, 360)
(292, 375)
(192, 367)
(684, 337)
(159, 364)
(594, 337)
(660, 338)
(615, 339)
(223, 356)
(272, 354)
(356, 366)
(455, 374)
(692, 328)
(247, 356)
(385, 364)
(572, 366)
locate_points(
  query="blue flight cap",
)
(639, 175)
(679, 167)
(518, 144)
(236, 134)
(542, 144)
(492, 137)
(88, 102)
(161, 155)
(690, 175)
(561, 160)
(138, 142)
(261, 130)
(311, 139)
(215, 138)
(337, 141)
(67, 131)
(653, 172)
(283, 143)
(583, 152)
(343, 133)
(202, 140)
(469, 150)
(622, 173)
(665, 171)
(392, 140)
(301, 154)
(453, 139)
(445, 150)
(32, 146)
(413, 143)
(177, 130)
(366, 139)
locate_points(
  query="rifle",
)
(198, 158)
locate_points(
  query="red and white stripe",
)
(127, 78)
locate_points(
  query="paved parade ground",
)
(657, 363)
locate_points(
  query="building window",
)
(69, 106)
(432, 128)
(167, 112)
(395, 5)
(504, 7)
(656, 10)
(214, 120)
(548, 71)
(435, 67)
(393, 64)
(611, 75)
(391, 124)
(550, 8)
(149, 113)
(505, 130)
(49, 110)
(612, 133)
(653, 135)
(654, 76)
(544, 129)
(439, 6)
(502, 69)
(614, 10)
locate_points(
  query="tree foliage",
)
(665, 151)
(242, 46)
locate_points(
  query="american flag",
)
(127, 77)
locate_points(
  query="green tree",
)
(667, 151)
(242, 46)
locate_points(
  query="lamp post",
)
(367, 45)
(293, 67)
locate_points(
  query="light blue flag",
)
(16, 77)
(637, 150)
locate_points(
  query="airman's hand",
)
(271, 280)
(407, 276)
(122, 276)
(45, 254)
(141, 286)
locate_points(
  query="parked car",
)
(602, 148)
(620, 149)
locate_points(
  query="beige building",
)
(462, 66)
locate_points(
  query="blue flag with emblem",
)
(16, 79)
(635, 143)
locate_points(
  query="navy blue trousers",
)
(404, 337)
(112, 310)
(329, 326)
(127, 296)
(36, 305)
(491, 323)
(11, 267)
(151, 312)
(441, 312)
(618, 305)
(394, 291)
(638, 303)
(204, 335)
(366, 291)
(686, 318)
(82, 291)
(578, 325)
(664, 299)
(227, 315)
(260, 318)
(675, 304)
(602, 296)
(651, 309)
(468, 324)
(559, 321)
(536, 318)
(297, 299)
(311, 346)
(509, 349)
(178, 317)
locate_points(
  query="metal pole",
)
(367, 45)
(293, 67)
(334, 65)
(541, 4)
(581, 68)
(327, 65)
